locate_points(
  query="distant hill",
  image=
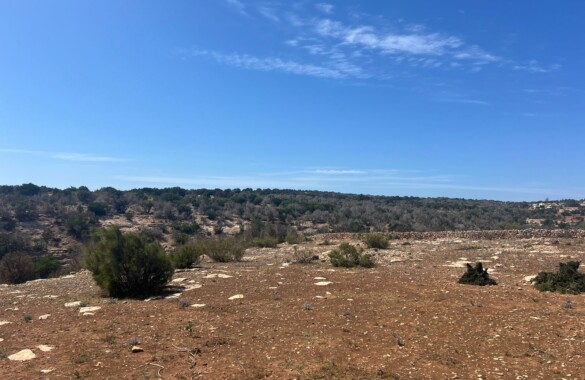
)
(41, 219)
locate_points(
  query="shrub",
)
(78, 226)
(225, 250)
(98, 208)
(567, 280)
(125, 265)
(16, 268)
(265, 242)
(46, 266)
(476, 276)
(187, 255)
(376, 241)
(294, 237)
(348, 256)
(303, 255)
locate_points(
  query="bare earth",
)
(405, 319)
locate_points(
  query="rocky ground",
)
(265, 317)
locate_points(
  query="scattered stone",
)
(52, 296)
(2, 323)
(45, 348)
(136, 349)
(89, 309)
(73, 304)
(153, 298)
(236, 297)
(179, 279)
(88, 314)
(23, 355)
(319, 278)
(198, 305)
(529, 278)
(1, 339)
(176, 295)
(48, 370)
(44, 316)
(191, 287)
(323, 283)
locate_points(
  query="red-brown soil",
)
(286, 327)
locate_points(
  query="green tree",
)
(125, 265)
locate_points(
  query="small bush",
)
(265, 242)
(16, 268)
(376, 241)
(125, 265)
(225, 250)
(349, 256)
(476, 276)
(187, 255)
(567, 280)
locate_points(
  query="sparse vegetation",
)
(376, 241)
(265, 242)
(303, 255)
(477, 276)
(124, 265)
(47, 266)
(568, 279)
(349, 256)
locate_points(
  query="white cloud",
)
(535, 67)
(237, 5)
(269, 13)
(75, 157)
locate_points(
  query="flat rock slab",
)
(48, 370)
(236, 297)
(176, 295)
(218, 275)
(89, 309)
(44, 316)
(194, 286)
(73, 304)
(178, 279)
(23, 355)
(529, 278)
(323, 283)
(198, 305)
(45, 348)
(2, 323)
(319, 278)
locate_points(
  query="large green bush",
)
(47, 266)
(567, 280)
(376, 241)
(349, 256)
(125, 265)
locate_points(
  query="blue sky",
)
(422, 98)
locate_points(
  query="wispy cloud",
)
(325, 8)
(476, 102)
(238, 6)
(335, 70)
(389, 181)
(535, 67)
(74, 157)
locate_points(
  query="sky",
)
(451, 98)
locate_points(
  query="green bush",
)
(125, 265)
(78, 226)
(225, 249)
(376, 241)
(187, 255)
(265, 242)
(349, 256)
(567, 280)
(16, 268)
(46, 266)
(476, 276)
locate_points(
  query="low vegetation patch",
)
(348, 256)
(265, 242)
(567, 280)
(477, 276)
(16, 268)
(376, 241)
